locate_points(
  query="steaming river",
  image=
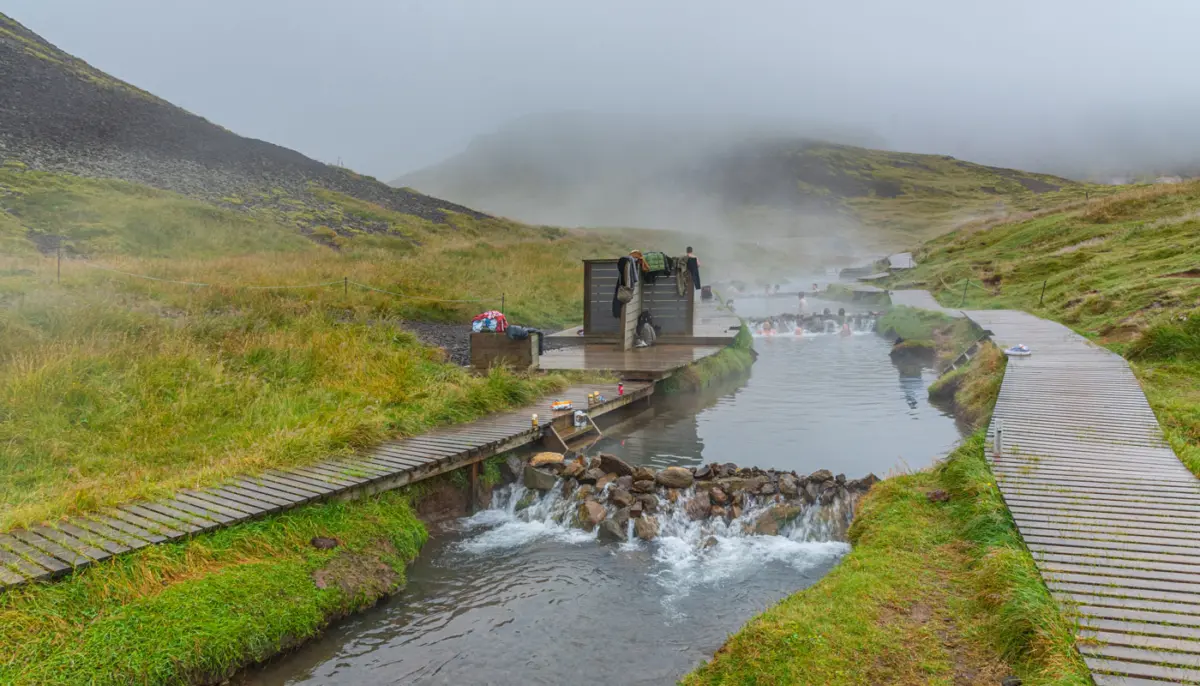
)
(505, 598)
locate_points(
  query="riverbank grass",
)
(196, 611)
(736, 358)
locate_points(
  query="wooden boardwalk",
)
(44, 552)
(1111, 515)
(921, 299)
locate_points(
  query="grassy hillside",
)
(1122, 270)
(114, 387)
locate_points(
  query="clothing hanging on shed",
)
(682, 276)
(627, 271)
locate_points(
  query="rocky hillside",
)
(574, 169)
(60, 114)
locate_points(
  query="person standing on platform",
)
(693, 267)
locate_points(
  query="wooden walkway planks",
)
(921, 299)
(654, 362)
(1108, 511)
(45, 552)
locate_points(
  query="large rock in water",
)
(589, 514)
(543, 459)
(646, 528)
(698, 507)
(591, 476)
(674, 477)
(644, 486)
(539, 480)
(718, 496)
(821, 475)
(643, 474)
(621, 517)
(769, 522)
(649, 502)
(739, 484)
(862, 485)
(574, 469)
(620, 497)
(611, 532)
(611, 464)
(789, 486)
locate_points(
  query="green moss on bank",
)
(1018, 616)
(735, 359)
(911, 323)
(198, 610)
(970, 391)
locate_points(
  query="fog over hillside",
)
(1082, 88)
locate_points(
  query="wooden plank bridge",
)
(1110, 514)
(48, 551)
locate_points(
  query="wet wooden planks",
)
(653, 362)
(1109, 513)
(921, 299)
(49, 551)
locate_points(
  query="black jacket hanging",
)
(626, 276)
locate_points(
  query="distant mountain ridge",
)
(60, 114)
(575, 170)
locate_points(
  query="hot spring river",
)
(517, 598)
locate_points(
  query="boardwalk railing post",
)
(1043, 295)
(998, 439)
(964, 298)
(345, 285)
(58, 252)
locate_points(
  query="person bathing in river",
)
(803, 303)
(846, 329)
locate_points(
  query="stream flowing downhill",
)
(530, 592)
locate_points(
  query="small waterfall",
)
(812, 324)
(721, 522)
(816, 508)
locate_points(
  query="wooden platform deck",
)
(45, 552)
(1111, 515)
(651, 363)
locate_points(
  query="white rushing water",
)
(687, 553)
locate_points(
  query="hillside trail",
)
(1105, 506)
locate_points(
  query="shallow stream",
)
(509, 597)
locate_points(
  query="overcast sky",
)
(392, 85)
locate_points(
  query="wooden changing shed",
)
(674, 313)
